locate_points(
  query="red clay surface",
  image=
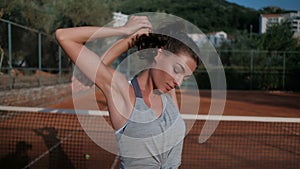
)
(238, 103)
(58, 141)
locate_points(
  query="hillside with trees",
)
(213, 15)
(242, 23)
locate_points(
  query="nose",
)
(178, 80)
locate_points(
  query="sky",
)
(258, 4)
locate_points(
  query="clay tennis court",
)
(56, 140)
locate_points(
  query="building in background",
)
(119, 19)
(294, 20)
(215, 38)
(267, 20)
(219, 38)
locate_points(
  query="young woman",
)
(144, 112)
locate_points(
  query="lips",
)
(169, 87)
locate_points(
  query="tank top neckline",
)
(138, 94)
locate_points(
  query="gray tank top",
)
(147, 141)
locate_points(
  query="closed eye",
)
(186, 77)
(178, 68)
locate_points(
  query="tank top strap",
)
(136, 87)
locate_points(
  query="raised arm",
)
(116, 50)
(73, 39)
(97, 68)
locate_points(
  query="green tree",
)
(278, 37)
(213, 15)
(272, 10)
(48, 15)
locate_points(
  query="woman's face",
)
(169, 71)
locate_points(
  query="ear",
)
(158, 55)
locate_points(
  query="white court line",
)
(114, 164)
(54, 110)
(184, 116)
(240, 118)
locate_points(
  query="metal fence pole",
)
(283, 71)
(1, 58)
(59, 64)
(40, 50)
(39, 55)
(251, 69)
(10, 55)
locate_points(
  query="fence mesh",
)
(55, 139)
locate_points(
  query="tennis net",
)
(54, 138)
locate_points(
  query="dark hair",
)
(174, 42)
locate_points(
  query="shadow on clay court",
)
(17, 159)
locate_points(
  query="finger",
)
(144, 31)
(147, 24)
(143, 19)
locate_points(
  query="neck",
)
(146, 83)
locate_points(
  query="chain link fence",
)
(31, 58)
(257, 70)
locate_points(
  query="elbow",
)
(59, 35)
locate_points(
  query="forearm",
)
(88, 33)
(121, 46)
(72, 40)
(83, 34)
(116, 50)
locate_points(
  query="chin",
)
(158, 91)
